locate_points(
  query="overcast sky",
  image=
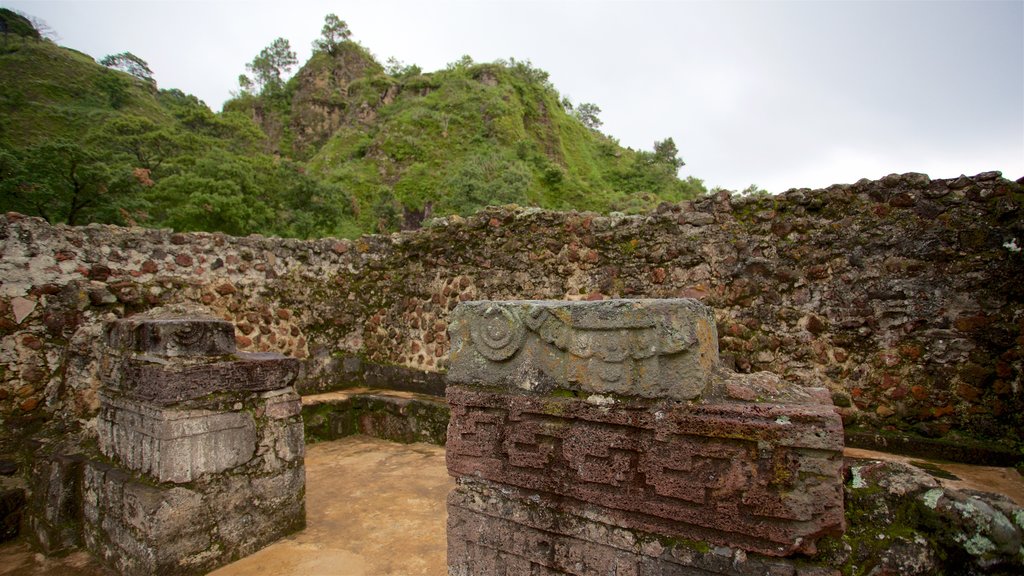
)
(779, 94)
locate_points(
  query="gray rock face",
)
(646, 348)
(905, 522)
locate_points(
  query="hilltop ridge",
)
(345, 146)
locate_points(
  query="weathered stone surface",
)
(647, 348)
(206, 445)
(496, 530)
(154, 380)
(21, 308)
(171, 444)
(764, 477)
(620, 410)
(172, 336)
(138, 528)
(902, 521)
(914, 301)
(53, 521)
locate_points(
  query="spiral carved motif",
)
(189, 334)
(497, 333)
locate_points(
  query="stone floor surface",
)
(378, 508)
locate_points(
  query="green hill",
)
(345, 146)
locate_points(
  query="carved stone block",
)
(645, 348)
(172, 444)
(497, 530)
(172, 336)
(158, 381)
(619, 411)
(761, 477)
(139, 528)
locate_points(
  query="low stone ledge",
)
(396, 416)
(938, 449)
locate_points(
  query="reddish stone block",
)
(499, 530)
(619, 411)
(765, 477)
(160, 384)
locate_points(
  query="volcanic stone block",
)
(139, 528)
(206, 447)
(763, 477)
(193, 488)
(172, 336)
(646, 348)
(157, 381)
(582, 408)
(497, 530)
(54, 519)
(173, 445)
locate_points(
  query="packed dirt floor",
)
(377, 508)
(372, 507)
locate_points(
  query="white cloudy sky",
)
(781, 94)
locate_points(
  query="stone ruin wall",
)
(902, 296)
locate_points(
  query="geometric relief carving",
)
(619, 410)
(678, 483)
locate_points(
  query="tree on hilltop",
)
(24, 25)
(588, 113)
(130, 63)
(666, 152)
(334, 32)
(270, 65)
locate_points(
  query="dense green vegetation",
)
(343, 147)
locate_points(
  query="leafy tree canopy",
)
(334, 32)
(271, 65)
(665, 152)
(62, 181)
(130, 63)
(588, 114)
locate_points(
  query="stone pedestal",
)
(204, 446)
(604, 438)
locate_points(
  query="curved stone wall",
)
(903, 296)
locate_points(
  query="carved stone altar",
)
(205, 449)
(605, 438)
